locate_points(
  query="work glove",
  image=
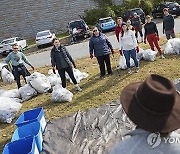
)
(137, 49)
(74, 65)
(32, 67)
(172, 31)
(120, 52)
(54, 70)
(112, 51)
(91, 56)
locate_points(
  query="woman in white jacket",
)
(128, 46)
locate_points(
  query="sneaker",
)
(111, 73)
(137, 70)
(102, 76)
(129, 71)
(78, 88)
(162, 57)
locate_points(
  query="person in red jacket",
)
(152, 36)
(118, 27)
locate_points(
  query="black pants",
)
(18, 71)
(102, 60)
(140, 32)
(63, 77)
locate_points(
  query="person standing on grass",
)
(152, 36)
(16, 58)
(168, 24)
(136, 23)
(100, 46)
(62, 60)
(118, 27)
(128, 46)
(130, 27)
(154, 107)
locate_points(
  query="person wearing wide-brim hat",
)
(154, 106)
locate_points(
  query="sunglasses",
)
(95, 30)
(15, 48)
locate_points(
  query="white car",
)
(6, 45)
(44, 37)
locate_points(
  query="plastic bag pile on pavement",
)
(78, 75)
(8, 109)
(172, 46)
(61, 94)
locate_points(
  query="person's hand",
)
(74, 65)
(120, 52)
(137, 49)
(145, 41)
(112, 51)
(157, 37)
(172, 31)
(54, 70)
(91, 56)
(163, 31)
(32, 67)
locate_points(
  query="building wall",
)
(25, 18)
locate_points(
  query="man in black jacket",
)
(63, 61)
(168, 24)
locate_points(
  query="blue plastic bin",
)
(30, 116)
(31, 129)
(22, 146)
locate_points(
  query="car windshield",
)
(76, 24)
(105, 20)
(43, 34)
(137, 11)
(172, 5)
(7, 41)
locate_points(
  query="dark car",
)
(129, 14)
(174, 9)
(78, 28)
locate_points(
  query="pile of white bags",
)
(139, 55)
(2, 65)
(172, 46)
(149, 55)
(61, 94)
(7, 76)
(27, 92)
(78, 75)
(14, 93)
(54, 78)
(8, 109)
(122, 62)
(39, 82)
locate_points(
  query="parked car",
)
(129, 14)
(174, 9)
(105, 24)
(6, 45)
(44, 37)
(78, 28)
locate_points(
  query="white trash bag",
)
(14, 93)
(27, 92)
(78, 75)
(2, 65)
(54, 78)
(8, 109)
(139, 55)
(172, 46)
(39, 82)
(7, 76)
(122, 62)
(61, 94)
(149, 55)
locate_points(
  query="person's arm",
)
(53, 62)
(156, 30)
(134, 39)
(172, 21)
(117, 33)
(108, 42)
(7, 59)
(25, 59)
(163, 25)
(145, 33)
(91, 46)
(69, 56)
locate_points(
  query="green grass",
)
(95, 92)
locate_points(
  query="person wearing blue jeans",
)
(128, 46)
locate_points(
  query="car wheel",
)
(39, 46)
